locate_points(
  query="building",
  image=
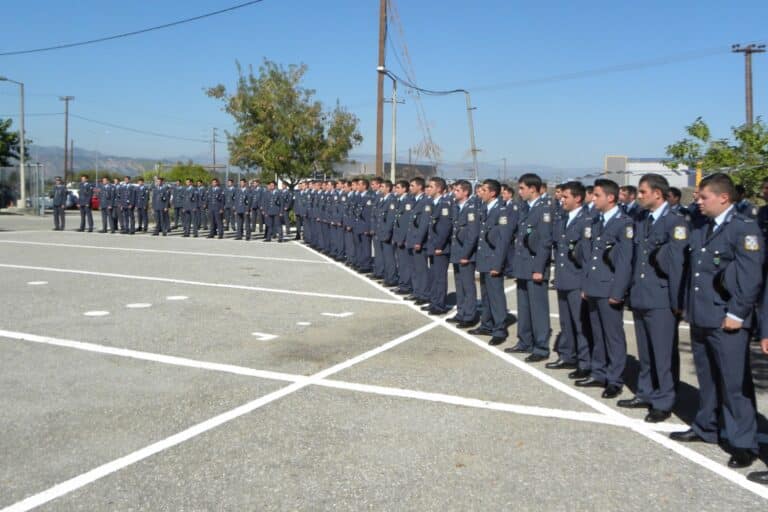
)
(626, 170)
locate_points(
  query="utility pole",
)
(472, 146)
(748, 50)
(213, 145)
(66, 100)
(380, 89)
(393, 164)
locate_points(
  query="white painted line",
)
(162, 251)
(261, 336)
(96, 313)
(106, 469)
(510, 288)
(176, 297)
(199, 283)
(139, 305)
(641, 428)
(338, 315)
(304, 324)
(37, 283)
(363, 388)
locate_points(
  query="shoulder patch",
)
(546, 217)
(470, 217)
(408, 207)
(751, 243)
(503, 220)
(444, 212)
(629, 232)
(392, 206)
(588, 232)
(680, 233)
(427, 208)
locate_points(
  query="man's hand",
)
(614, 302)
(764, 345)
(730, 325)
(463, 261)
(417, 247)
(583, 296)
(537, 277)
(495, 273)
(438, 252)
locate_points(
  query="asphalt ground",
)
(170, 373)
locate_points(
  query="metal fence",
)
(37, 187)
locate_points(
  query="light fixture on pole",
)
(22, 173)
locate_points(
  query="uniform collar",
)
(607, 216)
(573, 214)
(531, 204)
(492, 203)
(721, 218)
(659, 212)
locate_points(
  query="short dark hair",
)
(719, 183)
(676, 192)
(440, 182)
(464, 185)
(560, 186)
(365, 183)
(576, 188)
(610, 187)
(418, 180)
(530, 179)
(402, 183)
(589, 189)
(630, 189)
(493, 185)
(270, 183)
(377, 180)
(655, 182)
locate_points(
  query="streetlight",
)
(22, 177)
(392, 165)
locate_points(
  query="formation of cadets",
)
(604, 248)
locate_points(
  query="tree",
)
(182, 171)
(281, 129)
(9, 144)
(745, 160)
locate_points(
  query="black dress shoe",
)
(561, 365)
(633, 403)
(426, 308)
(479, 332)
(402, 292)
(589, 382)
(760, 477)
(656, 415)
(517, 349)
(436, 312)
(536, 358)
(741, 458)
(689, 436)
(466, 325)
(496, 340)
(612, 391)
(579, 374)
(411, 297)
(453, 320)
(421, 302)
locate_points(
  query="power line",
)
(142, 132)
(132, 33)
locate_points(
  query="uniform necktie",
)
(648, 225)
(710, 228)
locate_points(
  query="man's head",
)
(627, 194)
(653, 191)
(104, 180)
(507, 193)
(436, 187)
(376, 184)
(417, 186)
(141, 181)
(230, 182)
(674, 196)
(199, 183)
(83, 178)
(243, 183)
(271, 186)
(588, 191)
(214, 182)
(189, 182)
(386, 186)
(126, 179)
(58, 180)
(572, 195)
(490, 190)
(605, 195)
(529, 186)
(401, 188)
(741, 192)
(160, 181)
(716, 194)
(559, 191)
(462, 189)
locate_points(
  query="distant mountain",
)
(53, 159)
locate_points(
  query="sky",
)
(516, 58)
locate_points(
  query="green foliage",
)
(9, 144)
(181, 171)
(281, 129)
(91, 173)
(745, 159)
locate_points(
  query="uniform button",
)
(562, 265)
(642, 276)
(703, 249)
(697, 274)
(594, 257)
(696, 289)
(594, 268)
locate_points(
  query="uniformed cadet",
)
(726, 258)
(673, 198)
(337, 217)
(242, 207)
(348, 222)
(606, 282)
(416, 238)
(508, 198)
(572, 237)
(258, 194)
(84, 203)
(178, 204)
(588, 201)
(142, 206)
(300, 207)
(384, 231)
(203, 212)
(216, 209)
(161, 205)
(762, 220)
(493, 244)
(117, 217)
(466, 230)
(127, 199)
(271, 208)
(743, 205)
(285, 210)
(628, 202)
(106, 198)
(59, 196)
(403, 218)
(191, 209)
(439, 246)
(761, 477)
(364, 226)
(533, 256)
(229, 206)
(656, 297)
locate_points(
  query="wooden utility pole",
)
(748, 50)
(380, 89)
(66, 100)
